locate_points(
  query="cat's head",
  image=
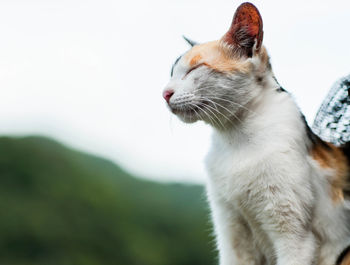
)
(215, 81)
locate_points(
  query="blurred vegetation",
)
(60, 206)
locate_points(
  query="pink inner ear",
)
(246, 26)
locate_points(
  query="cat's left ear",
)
(190, 42)
(246, 31)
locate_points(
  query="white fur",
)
(270, 199)
(264, 176)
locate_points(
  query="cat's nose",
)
(167, 94)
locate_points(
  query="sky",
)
(90, 73)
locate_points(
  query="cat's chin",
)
(188, 118)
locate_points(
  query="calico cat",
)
(276, 190)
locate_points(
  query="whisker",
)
(214, 96)
(232, 102)
(218, 121)
(215, 103)
(208, 106)
(233, 114)
(194, 109)
(213, 120)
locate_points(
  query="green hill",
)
(63, 207)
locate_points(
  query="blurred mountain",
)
(63, 207)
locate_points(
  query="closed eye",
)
(194, 68)
(172, 68)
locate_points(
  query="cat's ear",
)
(190, 42)
(246, 31)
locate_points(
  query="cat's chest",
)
(234, 172)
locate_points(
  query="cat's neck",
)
(273, 120)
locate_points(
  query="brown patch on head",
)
(331, 157)
(195, 59)
(215, 56)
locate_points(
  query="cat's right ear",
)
(190, 42)
(246, 31)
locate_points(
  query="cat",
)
(277, 192)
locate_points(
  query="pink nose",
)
(167, 94)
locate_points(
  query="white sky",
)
(91, 73)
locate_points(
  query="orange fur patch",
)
(214, 56)
(195, 59)
(346, 260)
(333, 158)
